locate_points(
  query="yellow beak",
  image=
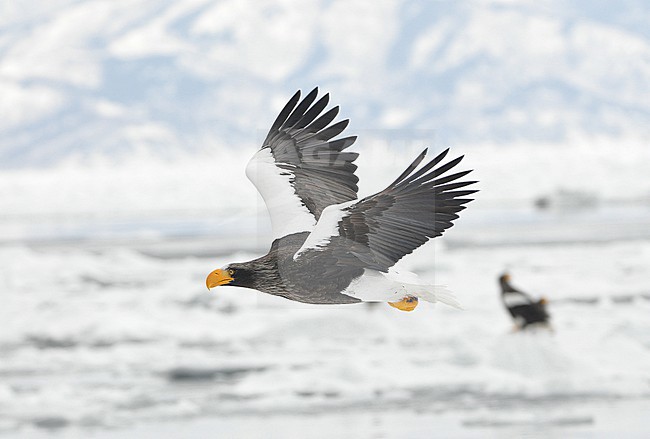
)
(217, 278)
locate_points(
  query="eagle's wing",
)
(300, 170)
(516, 298)
(379, 230)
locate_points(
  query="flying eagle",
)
(328, 246)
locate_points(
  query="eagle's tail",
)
(434, 293)
(411, 284)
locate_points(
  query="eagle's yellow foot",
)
(406, 304)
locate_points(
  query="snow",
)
(112, 338)
(208, 75)
(107, 323)
(24, 104)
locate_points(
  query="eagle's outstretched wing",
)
(379, 230)
(300, 170)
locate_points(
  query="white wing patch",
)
(287, 211)
(326, 228)
(515, 299)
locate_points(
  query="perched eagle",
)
(526, 312)
(329, 247)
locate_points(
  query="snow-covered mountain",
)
(87, 78)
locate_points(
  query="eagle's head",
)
(236, 275)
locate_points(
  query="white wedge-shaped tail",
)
(375, 286)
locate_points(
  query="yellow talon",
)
(406, 304)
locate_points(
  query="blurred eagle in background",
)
(328, 246)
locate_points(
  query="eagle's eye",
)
(231, 272)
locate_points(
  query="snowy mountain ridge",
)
(80, 79)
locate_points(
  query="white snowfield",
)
(96, 335)
(106, 321)
(94, 198)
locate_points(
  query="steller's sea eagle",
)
(526, 312)
(328, 246)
